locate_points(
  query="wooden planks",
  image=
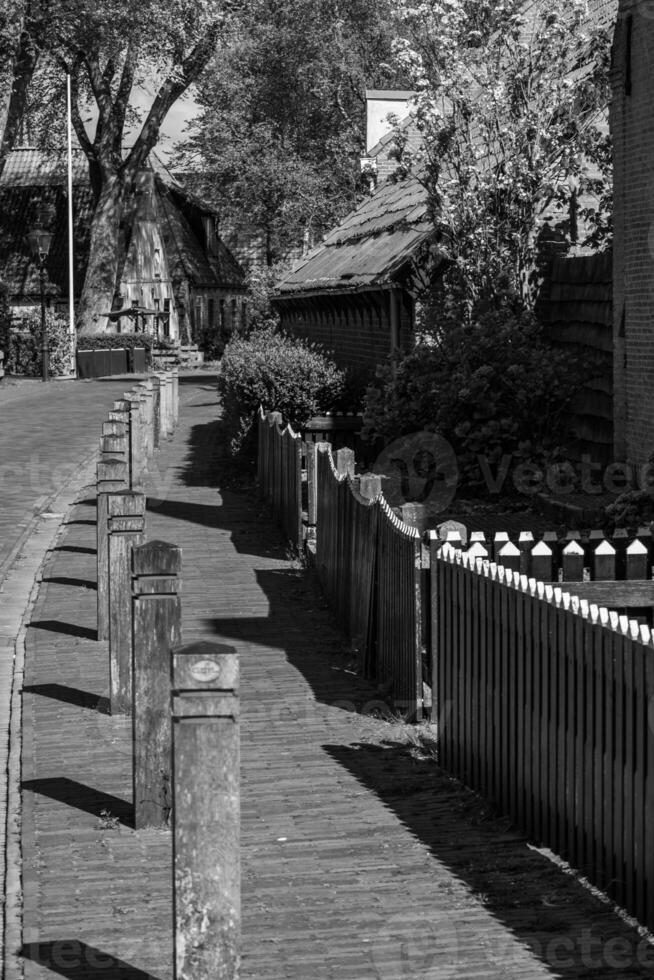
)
(552, 716)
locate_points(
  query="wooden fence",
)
(279, 471)
(546, 705)
(544, 696)
(370, 566)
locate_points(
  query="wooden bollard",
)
(135, 441)
(114, 426)
(312, 483)
(166, 423)
(206, 812)
(157, 627)
(148, 415)
(156, 410)
(175, 396)
(114, 447)
(126, 523)
(112, 476)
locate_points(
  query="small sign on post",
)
(157, 627)
(126, 523)
(112, 475)
(206, 812)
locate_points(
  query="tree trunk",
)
(105, 255)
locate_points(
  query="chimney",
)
(380, 103)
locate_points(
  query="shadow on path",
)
(76, 960)
(64, 629)
(71, 695)
(85, 798)
(82, 583)
(546, 910)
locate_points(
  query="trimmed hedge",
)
(113, 341)
(282, 373)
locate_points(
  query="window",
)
(211, 313)
(166, 319)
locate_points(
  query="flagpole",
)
(71, 271)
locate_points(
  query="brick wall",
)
(632, 126)
(356, 329)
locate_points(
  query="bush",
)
(492, 388)
(282, 373)
(23, 355)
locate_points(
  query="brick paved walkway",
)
(360, 858)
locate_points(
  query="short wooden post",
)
(636, 561)
(156, 628)
(167, 401)
(206, 812)
(126, 521)
(525, 545)
(312, 481)
(370, 485)
(114, 447)
(604, 562)
(135, 441)
(573, 562)
(112, 475)
(156, 410)
(114, 426)
(509, 556)
(542, 562)
(175, 396)
(145, 390)
(344, 462)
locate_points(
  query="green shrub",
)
(23, 355)
(492, 388)
(282, 373)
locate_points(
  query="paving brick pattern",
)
(360, 857)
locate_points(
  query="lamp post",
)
(39, 239)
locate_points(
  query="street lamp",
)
(39, 239)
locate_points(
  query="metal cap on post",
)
(206, 812)
(157, 627)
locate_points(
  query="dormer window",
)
(210, 233)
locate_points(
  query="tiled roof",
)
(186, 258)
(28, 177)
(370, 246)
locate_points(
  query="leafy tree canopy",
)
(283, 124)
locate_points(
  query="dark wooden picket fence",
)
(279, 470)
(546, 705)
(369, 564)
(535, 653)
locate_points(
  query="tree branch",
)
(122, 96)
(170, 91)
